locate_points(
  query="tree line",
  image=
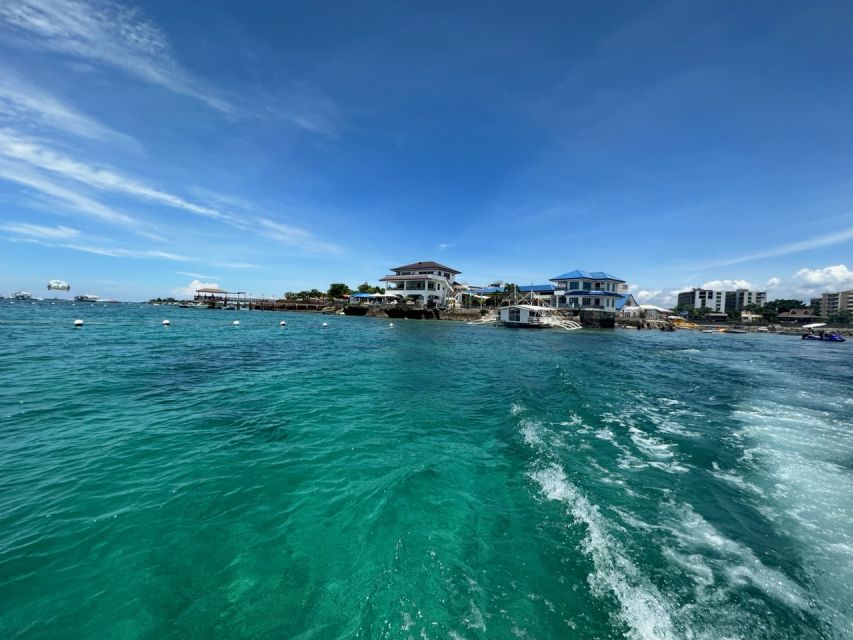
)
(335, 290)
(769, 311)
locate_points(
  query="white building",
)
(424, 283)
(742, 298)
(832, 303)
(587, 289)
(708, 298)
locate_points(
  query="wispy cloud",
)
(68, 197)
(111, 252)
(38, 231)
(444, 246)
(25, 149)
(192, 274)
(106, 33)
(818, 242)
(296, 237)
(27, 106)
(128, 253)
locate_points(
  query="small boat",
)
(521, 314)
(824, 336)
(23, 295)
(86, 297)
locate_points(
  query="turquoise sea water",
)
(427, 480)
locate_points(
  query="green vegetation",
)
(338, 290)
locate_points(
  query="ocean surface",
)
(426, 480)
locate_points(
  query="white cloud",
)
(18, 174)
(444, 246)
(129, 253)
(46, 240)
(38, 231)
(837, 237)
(189, 290)
(191, 274)
(662, 297)
(727, 285)
(27, 106)
(105, 33)
(810, 283)
(32, 152)
(296, 237)
(835, 276)
(645, 294)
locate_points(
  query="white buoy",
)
(390, 324)
(166, 323)
(78, 323)
(282, 324)
(236, 323)
(325, 324)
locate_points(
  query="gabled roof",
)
(429, 264)
(588, 275)
(626, 300)
(537, 288)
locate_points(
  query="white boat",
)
(23, 295)
(523, 314)
(86, 297)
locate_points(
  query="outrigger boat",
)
(532, 313)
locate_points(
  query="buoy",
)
(390, 324)
(236, 323)
(78, 323)
(325, 324)
(166, 323)
(282, 324)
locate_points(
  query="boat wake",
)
(667, 571)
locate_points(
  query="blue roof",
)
(588, 275)
(362, 295)
(621, 303)
(536, 288)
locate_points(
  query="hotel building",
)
(425, 283)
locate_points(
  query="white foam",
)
(736, 562)
(642, 607)
(531, 432)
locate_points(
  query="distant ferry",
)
(23, 295)
(86, 297)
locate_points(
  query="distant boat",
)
(521, 314)
(86, 297)
(23, 295)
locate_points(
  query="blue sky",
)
(269, 147)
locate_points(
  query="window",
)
(574, 285)
(515, 315)
(586, 302)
